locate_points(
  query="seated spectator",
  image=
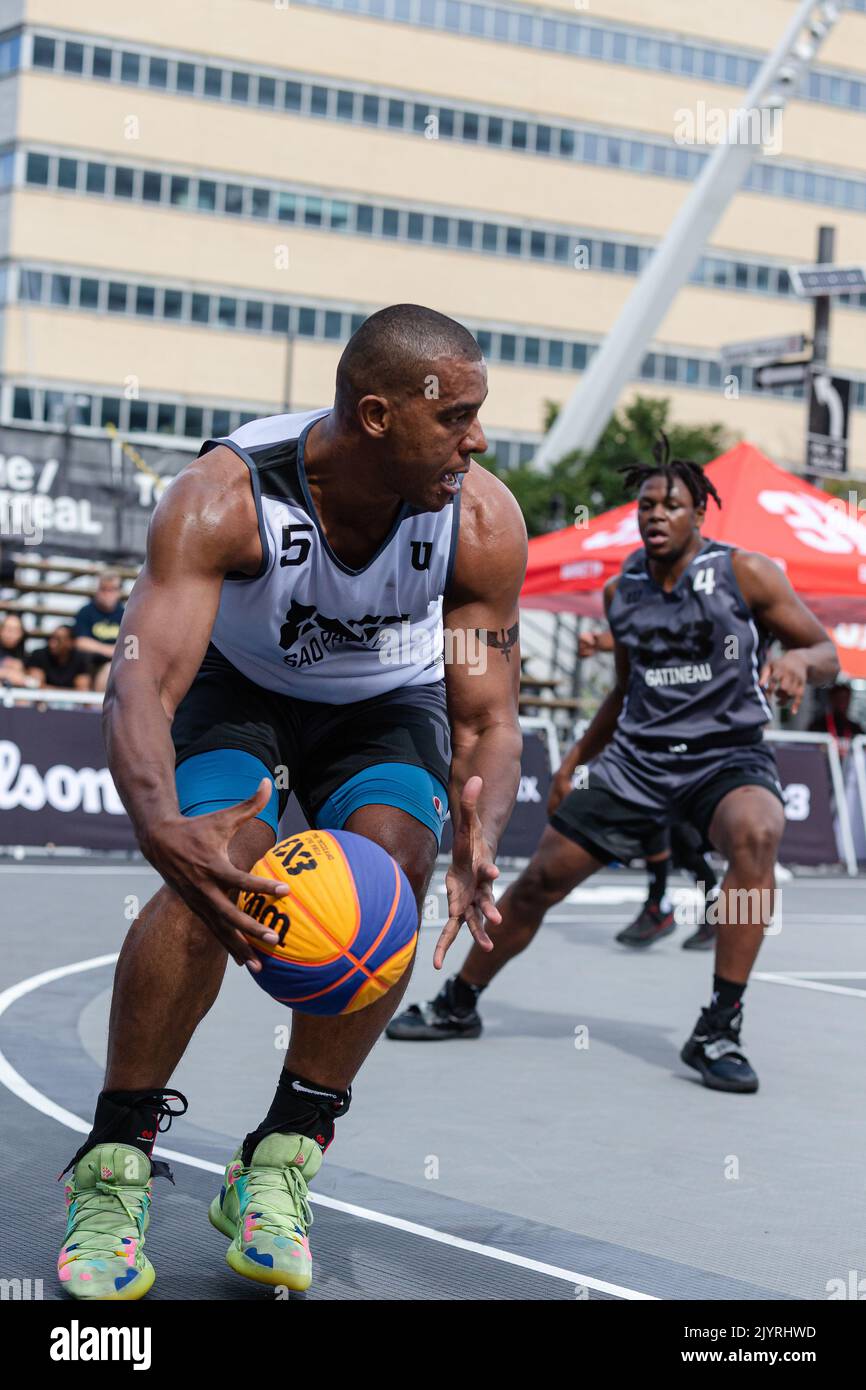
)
(59, 665)
(97, 625)
(12, 669)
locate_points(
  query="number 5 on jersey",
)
(300, 545)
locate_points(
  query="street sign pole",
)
(820, 335)
(821, 330)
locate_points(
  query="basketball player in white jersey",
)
(276, 562)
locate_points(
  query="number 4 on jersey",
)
(704, 581)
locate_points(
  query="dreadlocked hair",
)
(688, 472)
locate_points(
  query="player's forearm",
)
(598, 735)
(137, 727)
(822, 663)
(493, 754)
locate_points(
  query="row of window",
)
(94, 294)
(543, 351)
(327, 323)
(606, 42)
(524, 25)
(39, 169)
(478, 126)
(55, 409)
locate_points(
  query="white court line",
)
(16, 1083)
(825, 974)
(134, 867)
(795, 982)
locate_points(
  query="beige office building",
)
(200, 200)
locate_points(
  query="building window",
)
(116, 297)
(94, 180)
(145, 300)
(213, 82)
(88, 293)
(22, 403)
(124, 183)
(130, 67)
(240, 87)
(67, 173)
(37, 169)
(157, 73)
(44, 54)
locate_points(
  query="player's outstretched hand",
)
(192, 854)
(786, 678)
(469, 880)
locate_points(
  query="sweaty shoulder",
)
(208, 514)
(491, 545)
(757, 576)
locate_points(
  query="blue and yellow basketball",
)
(347, 922)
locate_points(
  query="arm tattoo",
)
(501, 639)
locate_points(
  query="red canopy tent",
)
(818, 540)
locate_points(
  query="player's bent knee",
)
(756, 840)
(188, 930)
(540, 885)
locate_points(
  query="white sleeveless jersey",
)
(309, 626)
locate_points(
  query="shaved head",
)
(395, 352)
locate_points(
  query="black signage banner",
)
(804, 771)
(56, 789)
(55, 786)
(80, 494)
(529, 816)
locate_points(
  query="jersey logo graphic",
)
(303, 619)
(693, 641)
(421, 552)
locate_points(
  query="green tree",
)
(593, 480)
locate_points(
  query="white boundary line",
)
(796, 982)
(16, 1083)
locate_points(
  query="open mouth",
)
(451, 482)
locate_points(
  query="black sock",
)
(130, 1117)
(300, 1107)
(690, 858)
(463, 997)
(658, 881)
(725, 993)
(705, 874)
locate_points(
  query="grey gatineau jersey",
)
(307, 625)
(695, 653)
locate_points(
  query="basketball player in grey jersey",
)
(678, 738)
(276, 563)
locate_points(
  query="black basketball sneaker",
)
(702, 939)
(442, 1017)
(651, 924)
(714, 1050)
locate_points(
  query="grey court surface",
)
(519, 1166)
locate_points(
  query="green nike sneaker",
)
(265, 1212)
(108, 1211)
